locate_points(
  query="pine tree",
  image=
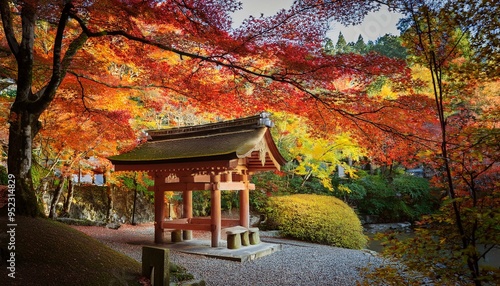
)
(341, 46)
(360, 46)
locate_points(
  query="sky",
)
(374, 25)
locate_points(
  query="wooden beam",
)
(225, 222)
(230, 186)
(187, 226)
(180, 187)
(195, 179)
(218, 165)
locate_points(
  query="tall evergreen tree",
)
(329, 46)
(360, 46)
(390, 46)
(341, 47)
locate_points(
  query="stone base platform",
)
(245, 253)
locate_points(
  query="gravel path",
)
(298, 263)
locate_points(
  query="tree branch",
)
(60, 66)
(8, 27)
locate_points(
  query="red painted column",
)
(245, 204)
(159, 209)
(215, 210)
(187, 200)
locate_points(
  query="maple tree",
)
(136, 181)
(72, 135)
(445, 38)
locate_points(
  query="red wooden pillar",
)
(215, 210)
(187, 200)
(159, 209)
(245, 204)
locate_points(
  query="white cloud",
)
(374, 25)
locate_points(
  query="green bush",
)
(316, 218)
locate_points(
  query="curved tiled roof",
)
(225, 140)
(231, 144)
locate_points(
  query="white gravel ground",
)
(298, 263)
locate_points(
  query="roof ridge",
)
(239, 124)
(195, 136)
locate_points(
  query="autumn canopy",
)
(88, 68)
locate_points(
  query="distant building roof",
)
(227, 140)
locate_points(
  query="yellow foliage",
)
(317, 156)
(344, 188)
(315, 218)
(387, 93)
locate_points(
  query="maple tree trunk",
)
(23, 127)
(28, 106)
(133, 206)
(55, 198)
(67, 203)
(109, 208)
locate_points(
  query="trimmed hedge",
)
(315, 218)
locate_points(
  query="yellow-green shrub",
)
(315, 218)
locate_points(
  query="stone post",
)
(155, 265)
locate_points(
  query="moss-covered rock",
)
(315, 218)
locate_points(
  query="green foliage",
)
(415, 193)
(341, 46)
(376, 86)
(266, 184)
(201, 203)
(403, 198)
(360, 46)
(137, 181)
(390, 46)
(9, 93)
(406, 197)
(258, 200)
(179, 273)
(230, 200)
(315, 218)
(387, 45)
(38, 172)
